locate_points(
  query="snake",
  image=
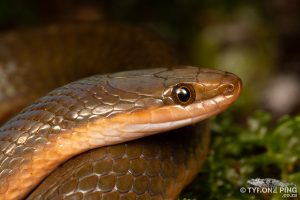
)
(123, 118)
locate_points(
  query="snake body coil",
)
(97, 117)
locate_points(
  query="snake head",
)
(179, 97)
(208, 93)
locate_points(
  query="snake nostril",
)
(226, 89)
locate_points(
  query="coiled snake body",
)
(100, 117)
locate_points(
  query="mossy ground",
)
(255, 148)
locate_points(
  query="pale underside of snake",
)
(100, 118)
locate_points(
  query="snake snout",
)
(231, 85)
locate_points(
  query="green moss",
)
(256, 148)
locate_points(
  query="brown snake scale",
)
(100, 111)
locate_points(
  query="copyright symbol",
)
(243, 190)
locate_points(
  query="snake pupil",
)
(183, 94)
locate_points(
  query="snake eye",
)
(183, 94)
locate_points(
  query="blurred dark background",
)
(257, 39)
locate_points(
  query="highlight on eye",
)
(183, 94)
